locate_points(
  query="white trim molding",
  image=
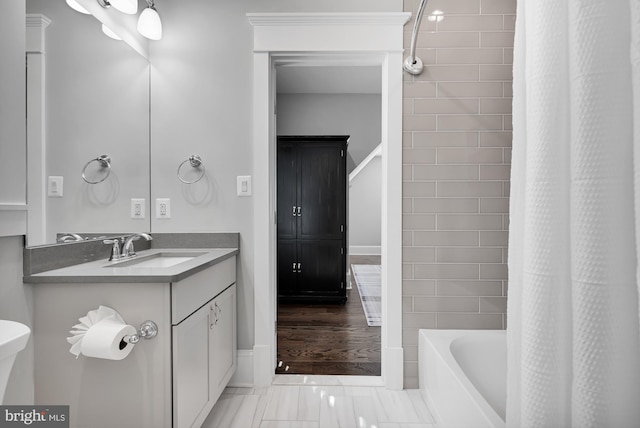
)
(328, 32)
(36, 25)
(335, 38)
(377, 152)
(243, 377)
(327, 19)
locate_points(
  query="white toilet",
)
(13, 339)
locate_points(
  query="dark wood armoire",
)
(312, 218)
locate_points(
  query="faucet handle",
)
(115, 249)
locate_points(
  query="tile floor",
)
(320, 402)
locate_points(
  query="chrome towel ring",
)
(105, 163)
(196, 162)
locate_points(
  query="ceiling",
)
(321, 79)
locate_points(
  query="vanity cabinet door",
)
(191, 396)
(223, 341)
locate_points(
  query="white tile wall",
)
(456, 156)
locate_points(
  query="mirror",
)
(93, 93)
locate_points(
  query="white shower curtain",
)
(573, 323)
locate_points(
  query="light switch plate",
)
(244, 185)
(55, 186)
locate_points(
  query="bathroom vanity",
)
(171, 380)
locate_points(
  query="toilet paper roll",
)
(106, 339)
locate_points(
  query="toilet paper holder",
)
(148, 330)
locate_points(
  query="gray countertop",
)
(103, 271)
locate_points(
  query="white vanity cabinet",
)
(204, 358)
(204, 343)
(223, 343)
(190, 366)
(170, 381)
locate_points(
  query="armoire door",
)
(321, 267)
(321, 191)
(287, 266)
(287, 182)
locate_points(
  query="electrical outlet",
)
(137, 208)
(163, 208)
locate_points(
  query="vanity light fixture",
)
(73, 4)
(149, 24)
(130, 7)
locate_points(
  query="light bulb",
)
(149, 24)
(129, 7)
(73, 4)
(109, 32)
(436, 16)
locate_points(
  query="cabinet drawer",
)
(190, 293)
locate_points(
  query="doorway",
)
(322, 328)
(373, 39)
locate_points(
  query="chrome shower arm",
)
(413, 64)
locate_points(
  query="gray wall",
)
(16, 301)
(12, 105)
(357, 115)
(365, 207)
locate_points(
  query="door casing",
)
(327, 39)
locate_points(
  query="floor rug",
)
(368, 280)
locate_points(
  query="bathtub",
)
(463, 376)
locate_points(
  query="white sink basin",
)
(158, 260)
(13, 337)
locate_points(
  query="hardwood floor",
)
(329, 339)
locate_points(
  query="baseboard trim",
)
(394, 367)
(363, 250)
(264, 369)
(243, 377)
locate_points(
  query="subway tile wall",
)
(456, 168)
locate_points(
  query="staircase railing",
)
(374, 153)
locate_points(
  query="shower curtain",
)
(573, 323)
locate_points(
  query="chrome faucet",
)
(70, 237)
(127, 248)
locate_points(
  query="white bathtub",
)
(463, 376)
